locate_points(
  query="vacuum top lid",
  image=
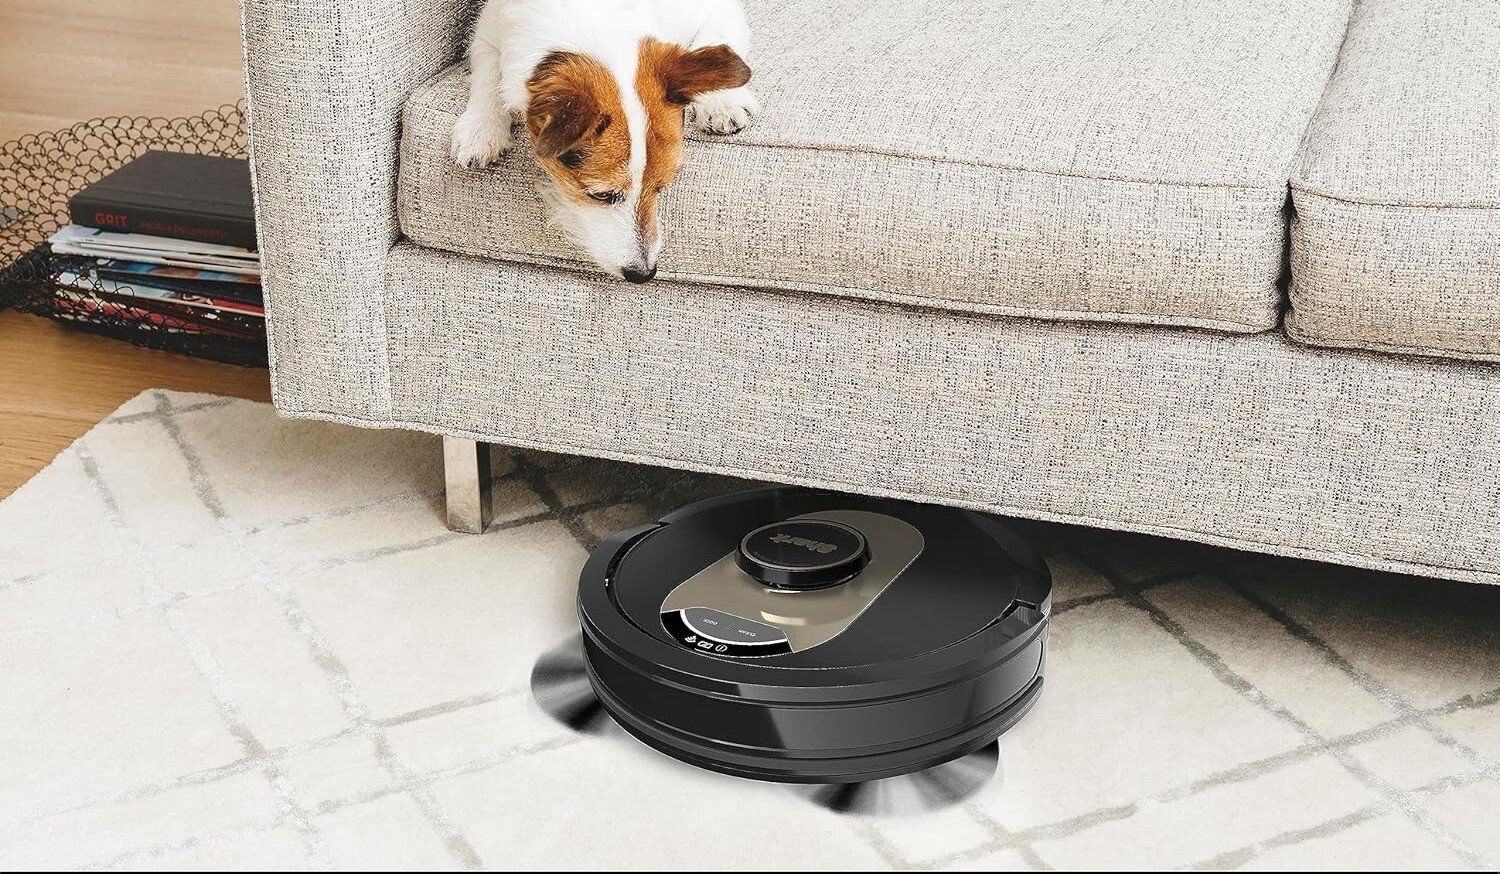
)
(801, 554)
(794, 578)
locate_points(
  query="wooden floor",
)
(56, 383)
(64, 61)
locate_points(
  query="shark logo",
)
(817, 546)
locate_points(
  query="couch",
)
(1212, 270)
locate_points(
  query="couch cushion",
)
(1396, 240)
(1088, 160)
(1247, 441)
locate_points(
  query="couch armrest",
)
(326, 81)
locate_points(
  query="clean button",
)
(724, 627)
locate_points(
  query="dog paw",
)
(724, 112)
(480, 138)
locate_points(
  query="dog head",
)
(609, 148)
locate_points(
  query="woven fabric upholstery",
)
(1396, 241)
(1250, 441)
(326, 80)
(1083, 160)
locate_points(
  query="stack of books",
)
(167, 241)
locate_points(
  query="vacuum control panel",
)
(791, 585)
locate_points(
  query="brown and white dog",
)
(605, 88)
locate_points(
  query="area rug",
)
(229, 640)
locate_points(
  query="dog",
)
(605, 89)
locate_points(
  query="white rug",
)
(232, 641)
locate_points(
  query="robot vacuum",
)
(807, 636)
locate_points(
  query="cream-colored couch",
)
(1220, 271)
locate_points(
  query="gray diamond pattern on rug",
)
(232, 640)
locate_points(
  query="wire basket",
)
(38, 175)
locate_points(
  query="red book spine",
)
(123, 219)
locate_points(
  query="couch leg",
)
(466, 466)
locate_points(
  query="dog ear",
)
(565, 110)
(687, 74)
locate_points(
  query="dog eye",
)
(610, 197)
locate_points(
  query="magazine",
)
(171, 318)
(211, 283)
(122, 289)
(79, 240)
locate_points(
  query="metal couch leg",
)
(466, 466)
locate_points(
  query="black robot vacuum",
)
(808, 636)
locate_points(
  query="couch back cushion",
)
(1396, 240)
(1083, 160)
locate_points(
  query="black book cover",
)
(170, 194)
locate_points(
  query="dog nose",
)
(639, 276)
